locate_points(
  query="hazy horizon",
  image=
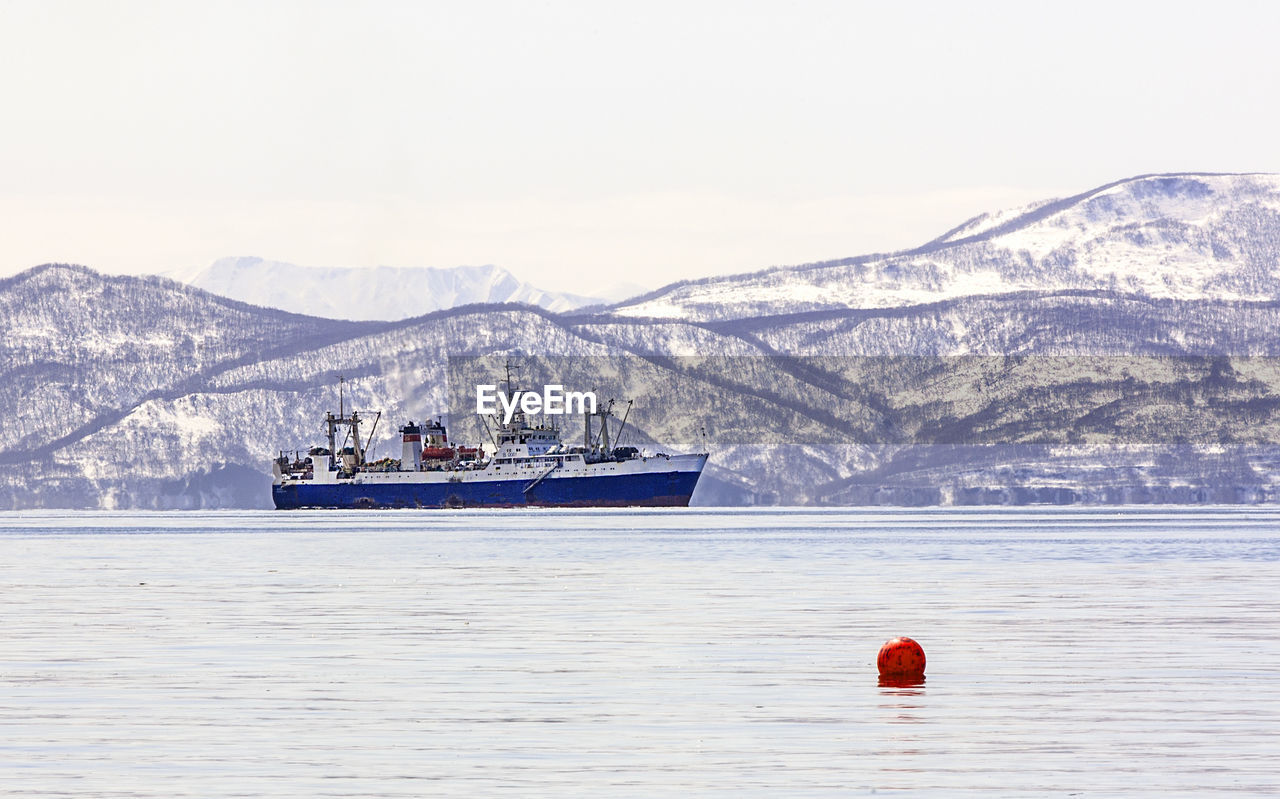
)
(578, 145)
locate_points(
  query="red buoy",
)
(901, 657)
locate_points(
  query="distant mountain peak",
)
(383, 293)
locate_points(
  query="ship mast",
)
(517, 419)
(509, 367)
(352, 423)
(601, 438)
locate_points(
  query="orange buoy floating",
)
(901, 657)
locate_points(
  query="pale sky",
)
(581, 143)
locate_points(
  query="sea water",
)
(618, 653)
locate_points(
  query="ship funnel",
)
(411, 448)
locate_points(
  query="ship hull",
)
(646, 489)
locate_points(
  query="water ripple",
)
(620, 653)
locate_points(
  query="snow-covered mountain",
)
(382, 293)
(145, 393)
(1125, 350)
(1179, 236)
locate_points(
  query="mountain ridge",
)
(183, 444)
(382, 293)
(906, 277)
(145, 392)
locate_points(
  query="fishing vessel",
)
(528, 466)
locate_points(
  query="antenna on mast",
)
(510, 366)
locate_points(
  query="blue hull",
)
(662, 489)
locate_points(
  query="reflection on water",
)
(617, 653)
(900, 682)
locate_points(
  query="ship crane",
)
(352, 423)
(601, 438)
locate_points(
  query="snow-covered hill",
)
(381, 293)
(129, 392)
(1184, 236)
(1118, 346)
